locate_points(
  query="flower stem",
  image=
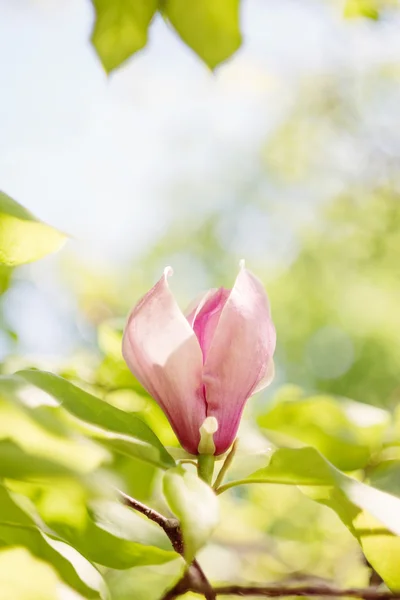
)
(205, 467)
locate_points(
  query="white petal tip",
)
(242, 264)
(168, 271)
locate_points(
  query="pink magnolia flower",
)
(207, 363)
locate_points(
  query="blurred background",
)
(287, 155)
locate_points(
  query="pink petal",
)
(162, 351)
(267, 379)
(197, 304)
(207, 316)
(239, 356)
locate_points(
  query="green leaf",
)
(40, 581)
(15, 463)
(102, 547)
(307, 467)
(23, 238)
(210, 28)
(355, 503)
(362, 8)
(18, 528)
(292, 466)
(122, 431)
(345, 432)
(120, 29)
(196, 506)
(386, 476)
(380, 546)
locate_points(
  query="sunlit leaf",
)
(100, 546)
(18, 528)
(123, 431)
(379, 545)
(121, 29)
(23, 238)
(39, 582)
(386, 476)
(345, 432)
(15, 463)
(145, 583)
(210, 28)
(307, 467)
(195, 505)
(362, 8)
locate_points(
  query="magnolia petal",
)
(267, 379)
(207, 317)
(197, 304)
(162, 351)
(239, 355)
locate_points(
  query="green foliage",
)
(362, 8)
(362, 508)
(23, 238)
(195, 505)
(123, 432)
(17, 464)
(102, 547)
(121, 29)
(370, 9)
(19, 528)
(38, 583)
(346, 432)
(210, 28)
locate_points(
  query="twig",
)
(170, 526)
(205, 585)
(194, 578)
(275, 591)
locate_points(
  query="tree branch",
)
(170, 526)
(275, 591)
(194, 578)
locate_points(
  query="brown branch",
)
(194, 578)
(275, 591)
(170, 526)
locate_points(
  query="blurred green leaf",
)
(294, 466)
(40, 581)
(109, 335)
(120, 29)
(379, 545)
(100, 546)
(118, 429)
(307, 467)
(18, 528)
(5, 278)
(145, 583)
(362, 508)
(15, 463)
(345, 432)
(386, 476)
(34, 421)
(210, 28)
(23, 238)
(196, 506)
(362, 8)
